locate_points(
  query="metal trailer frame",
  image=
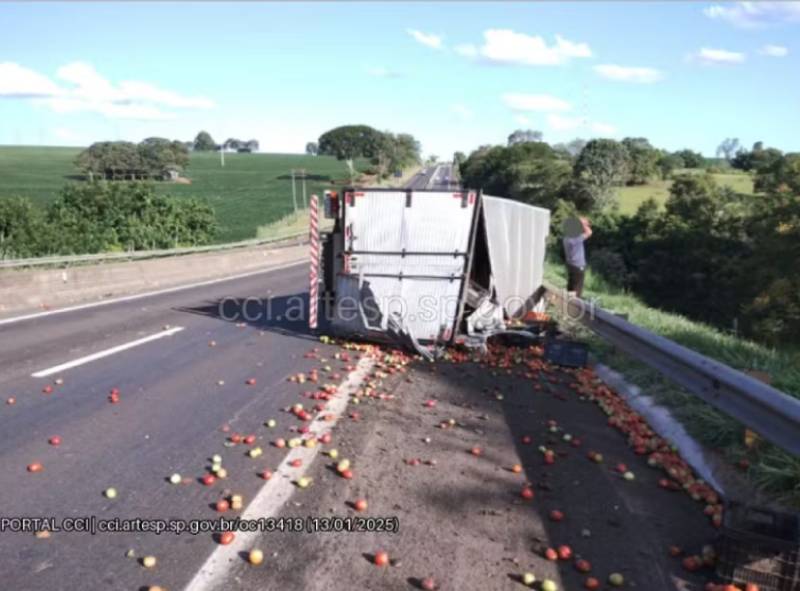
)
(336, 251)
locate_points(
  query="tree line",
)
(103, 217)
(203, 142)
(709, 253)
(585, 173)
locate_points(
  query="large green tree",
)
(128, 161)
(642, 160)
(781, 175)
(531, 172)
(690, 158)
(158, 154)
(349, 142)
(601, 166)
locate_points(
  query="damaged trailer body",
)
(429, 267)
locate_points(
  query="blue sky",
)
(456, 75)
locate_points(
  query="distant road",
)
(440, 177)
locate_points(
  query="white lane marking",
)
(100, 354)
(148, 294)
(278, 489)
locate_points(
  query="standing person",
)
(576, 231)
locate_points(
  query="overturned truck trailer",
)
(429, 268)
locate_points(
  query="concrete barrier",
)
(36, 289)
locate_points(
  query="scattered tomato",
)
(381, 558)
(556, 515)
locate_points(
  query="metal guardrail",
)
(773, 414)
(140, 254)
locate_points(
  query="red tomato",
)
(381, 558)
(556, 515)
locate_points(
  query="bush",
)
(610, 266)
(101, 217)
(22, 228)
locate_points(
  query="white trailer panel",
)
(405, 252)
(517, 238)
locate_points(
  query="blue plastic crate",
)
(566, 353)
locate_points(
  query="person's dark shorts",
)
(575, 279)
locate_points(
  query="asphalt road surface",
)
(433, 448)
(168, 420)
(440, 177)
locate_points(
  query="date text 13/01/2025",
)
(333, 524)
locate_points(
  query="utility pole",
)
(294, 193)
(222, 155)
(303, 176)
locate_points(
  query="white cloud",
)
(708, 55)
(535, 102)
(774, 51)
(462, 111)
(522, 120)
(752, 15)
(429, 39)
(561, 123)
(505, 46)
(17, 81)
(83, 89)
(628, 73)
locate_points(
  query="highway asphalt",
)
(168, 420)
(439, 177)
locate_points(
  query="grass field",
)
(252, 190)
(630, 198)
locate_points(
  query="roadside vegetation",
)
(235, 201)
(701, 251)
(707, 251)
(768, 467)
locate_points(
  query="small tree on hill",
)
(204, 142)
